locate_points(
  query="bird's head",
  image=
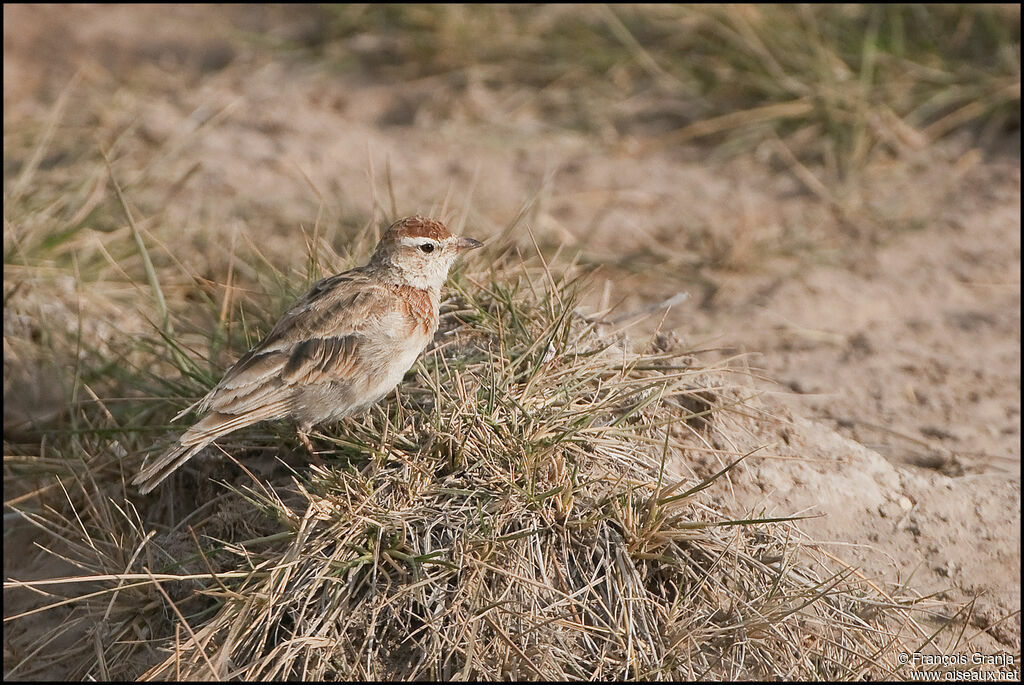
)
(418, 251)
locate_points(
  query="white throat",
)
(430, 278)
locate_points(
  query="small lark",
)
(343, 346)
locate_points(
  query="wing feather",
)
(319, 339)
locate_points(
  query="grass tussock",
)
(522, 509)
(538, 500)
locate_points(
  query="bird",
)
(337, 350)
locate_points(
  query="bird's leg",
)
(304, 438)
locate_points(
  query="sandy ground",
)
(889, 343)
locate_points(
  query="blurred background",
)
(837, 189)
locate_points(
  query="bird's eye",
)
(427, 247)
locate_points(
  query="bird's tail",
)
(155, 473)
(205, 431)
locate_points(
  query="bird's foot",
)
(304, 438)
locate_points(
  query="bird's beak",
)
(464, 244)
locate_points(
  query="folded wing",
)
(319, 339)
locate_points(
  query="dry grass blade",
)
(543, 498)
(151, 275)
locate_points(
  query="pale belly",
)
(392, 374)
(335, 400)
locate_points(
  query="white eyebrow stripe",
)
(416, 242)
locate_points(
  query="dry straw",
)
(521, 510)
